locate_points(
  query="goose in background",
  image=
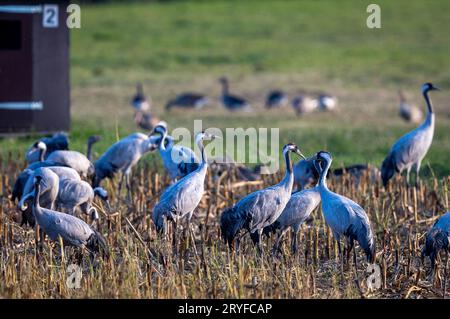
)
(345, 217)
(259, 209)
(121, 157)
(145, 120)
(72, 230)
(408, 112)
(220, 165)
(140, 102)
(297, 211)
(181, 198)
(232, 102)
(59, 141)
(276, 99)
(327, 102)
(187, 100)
(303, 104)
(178, 160)
(412, 147)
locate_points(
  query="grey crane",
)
(276, 99)
(437, 239)
(122, 156)
(345, 217)
(188, 100)
(297, 211)
(72, 159)
(22, 178)
(408, 112)
(76, 194)
(51, 176)
(178, 160)
(232, 102)
(261, 208)
(59, 141)
(305, 173)
(412, 147)
(181, 198)
(72, 230)
(140, 102)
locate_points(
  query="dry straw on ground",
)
(142, 265)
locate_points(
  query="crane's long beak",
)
(300, 154)
(436, 88)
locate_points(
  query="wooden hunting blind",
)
(34, 67)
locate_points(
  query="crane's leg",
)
(119, 189)
(295, 231)
(174, 238)
(356, 269)
(276, 246)
(444, 288)
(417, 174)
(342, 259)
(256, 238)
(408, 170)
(128, 184)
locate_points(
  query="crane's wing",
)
(72, 229)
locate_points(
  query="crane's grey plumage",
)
(51, 176)
(305, 173)
(72, 230)
(276, 99)
(59, 141)
(181, 198)
(437, 238)
(232, 102)
(188, 100)
(412, 147)
(407, 111)
(178, 160)
(122, 156)
(73, 195)
(261, 208)
(73, 159)
(297, 211)
(344, 216)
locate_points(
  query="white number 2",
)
(50, 16)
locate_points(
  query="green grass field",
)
(260, 45)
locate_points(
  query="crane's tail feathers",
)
(271, 229)
(436, 240)
(230, 224)
(98, 243)
(388, 169)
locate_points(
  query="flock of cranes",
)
(54, 187)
